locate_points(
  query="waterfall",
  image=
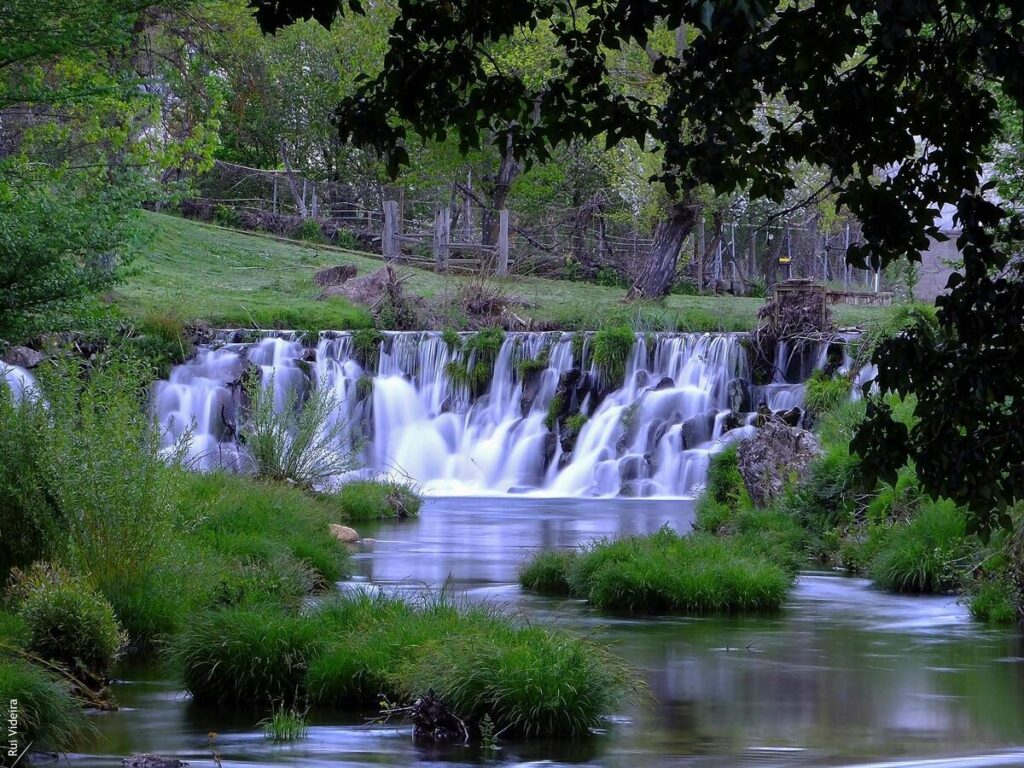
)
(546, 424)
(19, 381)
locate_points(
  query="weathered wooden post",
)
(503, 242)
(442, 238)
(388, 238)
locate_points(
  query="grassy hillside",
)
(232, 278)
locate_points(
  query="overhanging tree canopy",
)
(897, 101)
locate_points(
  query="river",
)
(843, 676)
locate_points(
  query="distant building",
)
(939, 261)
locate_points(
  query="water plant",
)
(284, 724)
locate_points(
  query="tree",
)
(80, 142)
(895, 102)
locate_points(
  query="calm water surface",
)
(844, 676)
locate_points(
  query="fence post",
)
(442, 237)
(503, 242)
(389, 245)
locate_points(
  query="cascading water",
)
(19, 381)
(683, 397)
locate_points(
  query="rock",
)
(791, 417)
(774, 454)
(641, 379)
(633, 468)
(698, 429)
(152, 761)
(550, 446)
(344, 534)
(309, 354)
(23, 357)
(666, 382)
(732, 421)
(738, 395)
(764, 415)
(531, 388)
(335, 275)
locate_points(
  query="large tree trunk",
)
(659, 269)
(507, 173)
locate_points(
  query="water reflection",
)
(843, 676)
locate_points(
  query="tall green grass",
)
(611, 348)
(49, 717)
(668, 573)
(530, 680)
(925, 555)
(378, 500)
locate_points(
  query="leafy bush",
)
(343, 238)
(612, 346)
(451, 339)
(30, 520)
(924, 554)
(237, 655)
(305, 446)
(378, 500)
(106, 472)
(822, 392)
(610, 278)
(67, 621)
(226, 216)
(476, 367)
(49, 717)
(164, 341)
(310, 231)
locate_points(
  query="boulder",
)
(666, 382)
(738, 395)
(732, 421)
(335, 275)
(775, 453)
(344, 534)
(698, 429)
(23, 357)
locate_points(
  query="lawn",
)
(233, 278)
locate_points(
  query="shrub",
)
(226, 216)
(822, 392)
(923, 555)
(547, 572)
(378, 500)
(164, 341)
(310, 231)
(612, 346)
(305, 446)
(49, 717)
(67, 621)
(451, 339)
(896, 503)
(106, 473)
(31, 522)
(994, 601)
(555, 408)
(252, 655)
(476, 366)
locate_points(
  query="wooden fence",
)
(446, 253)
